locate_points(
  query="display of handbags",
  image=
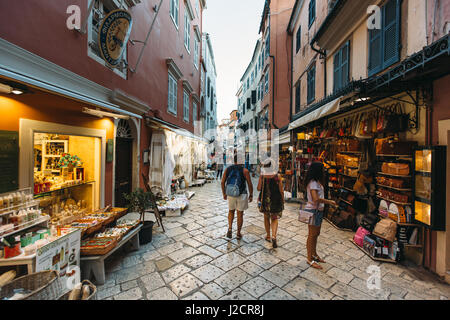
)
(400, 169)
(386, 229)
(369, 221)
(360, 235)
(393, 196)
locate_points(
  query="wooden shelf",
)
(373, 258)
(350, 152)
(413, 245)
(38, 195)
(399, 203)
(346, 175)
(395, 155)
(398, 189)
(394, 175)
(27, 225)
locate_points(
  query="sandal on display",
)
(314, 264)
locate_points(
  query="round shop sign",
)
(113, 36)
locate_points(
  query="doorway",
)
(124, 164)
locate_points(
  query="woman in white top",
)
(316, 204)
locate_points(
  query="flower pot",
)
(145, 235)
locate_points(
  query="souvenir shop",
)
(379, 172)
(56, 189)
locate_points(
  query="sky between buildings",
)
(233, 26)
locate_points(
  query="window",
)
(253, 77)
(173, 92)
(297, 97)
(196, 51)
(311, 84)
(209, 88)
(266, 83)
(187, 30)
(197, 7)
(185, 106)
(212, 99)
(174, 11)
(341, 67)
(312, 12)
(248, 83)
(261, 86)
(384, 44)
(194, 112)
(298, 42)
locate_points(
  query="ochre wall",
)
(47, 107)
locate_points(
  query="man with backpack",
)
(234, 190)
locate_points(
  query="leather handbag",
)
(400, 169)
(383, 209)
(353, 145)
(386, 229)
(359, 236)
(369, 221)
(396, 183)
(399, 197)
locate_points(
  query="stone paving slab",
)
(193, 260)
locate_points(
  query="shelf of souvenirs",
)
(405, 156)
(346, 175)
(10, 230)
(393, 188)
(394, 175)
(71, 184)
(396, 202)
(14, 209)
(350, 152)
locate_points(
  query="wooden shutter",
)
(345, 58)
(299, 38)
(391, 34)
(297, 97)
(375, 51)
(337, 71)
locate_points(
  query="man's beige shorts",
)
(238, 203)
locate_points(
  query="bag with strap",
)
(261, 196)
(359, 236)
(305, 216)
(386, 229)
(235, 181)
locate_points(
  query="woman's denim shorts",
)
(317, 217)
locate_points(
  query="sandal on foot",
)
(318, 259)
(274, 243)
(268, 239)
(238, 236)
(314, 264)
(229, 234)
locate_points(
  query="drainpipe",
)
(273, 93)
(324, 54)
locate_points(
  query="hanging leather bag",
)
(386, 229)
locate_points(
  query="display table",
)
(22, 259)
(96, 264)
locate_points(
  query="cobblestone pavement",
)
(194, 260)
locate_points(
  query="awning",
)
(180, 131)
(285, 138)
(321, 112)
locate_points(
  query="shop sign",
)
(62, 255)
(113, 36)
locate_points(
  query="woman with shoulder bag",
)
(316, 203)
(270, 201)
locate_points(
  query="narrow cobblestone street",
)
(194, 260)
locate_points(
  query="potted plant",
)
(140, 201)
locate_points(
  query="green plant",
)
(139, 201)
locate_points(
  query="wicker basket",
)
(44, 285)
(93, 288)
(98, 251)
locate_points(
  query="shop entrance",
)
(124, 164)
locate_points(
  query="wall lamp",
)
(101, 114)
(4, 88)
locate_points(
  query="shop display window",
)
(430, 186)
(66, 174)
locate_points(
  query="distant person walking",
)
(316, 203)
(271, 201)
(219, 171)
(234, 190)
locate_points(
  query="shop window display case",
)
(430, 186)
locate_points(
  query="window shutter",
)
(337, 71)
(345, 53)
(297, 98)
(391, 34)
(298, 39)
(375, 51)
